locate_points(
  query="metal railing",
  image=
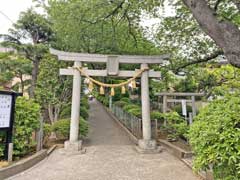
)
(132, 123)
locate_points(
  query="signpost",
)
(7, 109)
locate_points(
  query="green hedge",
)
(125, 99)
(62, 128)
(26, 122)
(126, 105)
(84, 102)
(84, 112)
(157, 115)
(215, 138)
(135, 112)
(118, 95)
(120, 103)
(130, 106)
(103, 99)
(176, 125)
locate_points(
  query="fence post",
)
(156, 129)
(132, 124)
(165, 108)
(110, 102)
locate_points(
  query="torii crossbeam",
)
(146, 144)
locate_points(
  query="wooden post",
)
(75, 111)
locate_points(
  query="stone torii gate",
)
(144, 145)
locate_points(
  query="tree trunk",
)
(56, 112)
(21, 83)
(50, 113)
(224, 33)
(53, 112)
(34, 77)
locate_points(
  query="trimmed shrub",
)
(135, 112)
(156, 115)
(130, 106)
(62, 128)
(118, 95)
(106, 102)
(26, 122)
(84, 102)
(103, 99)
(125, 99)
(84, 112)
(121, 103)
(84, 128)
(176, 125)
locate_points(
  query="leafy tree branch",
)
(205, 59)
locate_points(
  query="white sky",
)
(12, 9)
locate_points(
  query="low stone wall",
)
(176, 151)
(22, 165)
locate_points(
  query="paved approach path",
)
(110, 156)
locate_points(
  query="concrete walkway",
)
(110, 156)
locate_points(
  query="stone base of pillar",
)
(148, 147)
(73, 147)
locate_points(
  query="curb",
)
(50, 150)
(176, 151)
(22, 165)
(25, 164)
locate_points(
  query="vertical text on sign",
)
(5, 110)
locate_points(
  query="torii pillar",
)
(74, 144)
(147, 144)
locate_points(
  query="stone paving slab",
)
(110, 156)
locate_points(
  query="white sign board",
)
(112, 65)
(184, 108)
(5, 110)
